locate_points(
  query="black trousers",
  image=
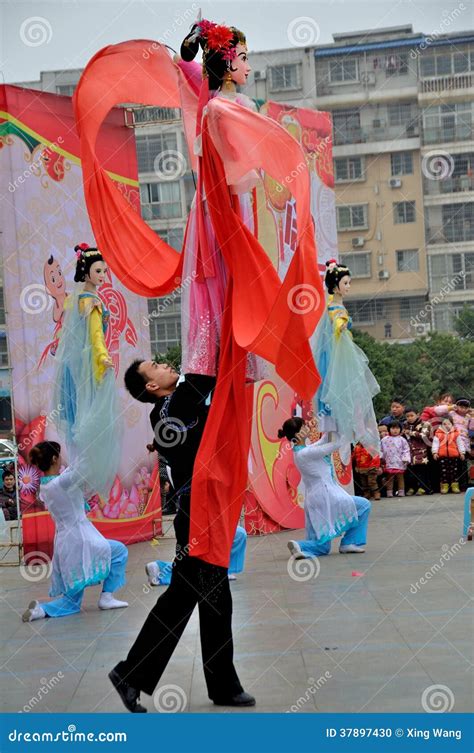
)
(193, 582)
(418, 477)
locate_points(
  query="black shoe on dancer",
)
(130, 696)
(239, 699)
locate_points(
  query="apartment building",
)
(402, 107)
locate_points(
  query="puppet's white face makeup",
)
(239, 66)
(344, 285)
(97, 273)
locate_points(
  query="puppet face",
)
(53, 279)
(239, 67)
(97, 273)
(344, 285)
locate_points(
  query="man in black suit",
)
(178, 419)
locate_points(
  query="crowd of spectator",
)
(422, 451)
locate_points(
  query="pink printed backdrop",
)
(43, 215)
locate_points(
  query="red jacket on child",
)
(364, 461)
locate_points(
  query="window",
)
(402, 163)
(349, 168)
(67, 90)
(346, 126)
(172, 235)
(366, 312)
(3, 349)
(411, 307)
(342, 71)
(451, 272)
(458, 222)
(352, 217)
(403, 211)
(151, 146)
(407, 260)
(161, 200)
(446, 63)
(400, 114)
(359, 264)
(396, 65)
(164, 333)
(442, 123)
(285, 77)
(445, 315)
(2, 306)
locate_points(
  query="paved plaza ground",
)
(335, 642)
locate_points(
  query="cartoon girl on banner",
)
(84, 391)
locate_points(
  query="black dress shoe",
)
(239, 699)
(130, 696)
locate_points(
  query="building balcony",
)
(444, 135)
(442, 235)
(459, 184)
(433, 87)
(385, 132)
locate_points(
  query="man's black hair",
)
(136, 383)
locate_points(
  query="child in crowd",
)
(383, 432)
(448, 448)
(418, 435)
(368, 468)
(396, 456)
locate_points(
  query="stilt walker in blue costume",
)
(84, 391)
(343, 402)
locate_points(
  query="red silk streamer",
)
(220, 471)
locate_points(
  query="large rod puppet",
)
(236, 304)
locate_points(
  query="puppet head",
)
(337, 279)
(224, 57)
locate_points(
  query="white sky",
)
(71, 31)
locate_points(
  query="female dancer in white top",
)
(82, 556)
(329, 510)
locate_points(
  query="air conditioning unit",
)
(412, 130)
(384, 274)
(378, 123)
(422, 329)
(395, 183)
(260, 75)
(358, 242)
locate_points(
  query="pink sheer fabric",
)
(202, 300)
